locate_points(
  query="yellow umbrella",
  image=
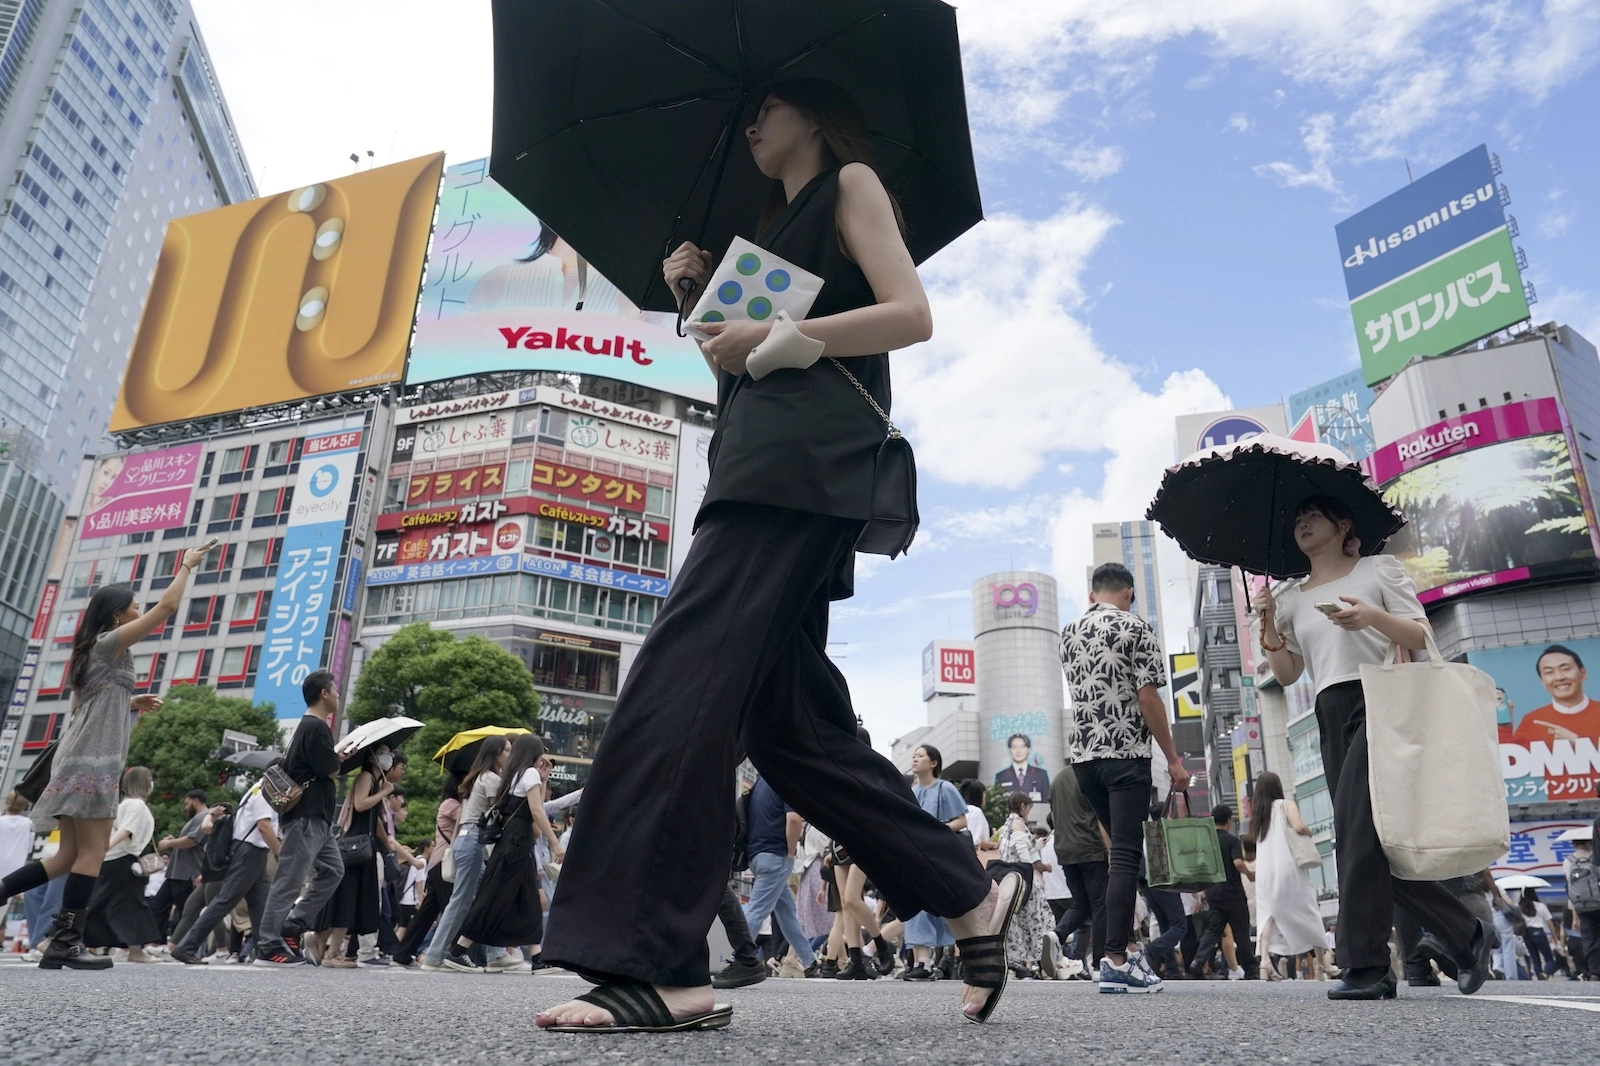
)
(471, 738)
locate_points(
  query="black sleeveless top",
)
(804, 439)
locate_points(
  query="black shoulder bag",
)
(894, 518)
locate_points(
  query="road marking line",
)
(1569, 1004)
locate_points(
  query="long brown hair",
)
(846, 138)
(482, 763)
(1269, 787)
(526, 751)
(98, 617)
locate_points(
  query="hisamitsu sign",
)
(1431, 267)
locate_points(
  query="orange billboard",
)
(273, 300)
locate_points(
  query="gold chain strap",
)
(862, 389)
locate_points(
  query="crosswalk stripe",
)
(1536, 1001)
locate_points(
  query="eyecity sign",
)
(1431, 267)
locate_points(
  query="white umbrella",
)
(353, 749)
(1516, 881)
(1581, 832)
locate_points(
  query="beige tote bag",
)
(1434, 756)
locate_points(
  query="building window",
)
(186, 668)
(235, 663)
(42, 729)
(658, 500)
(128, 568)
(243, 612)
(82, 579)
(394, 494)
(256, 553)
(278, 452)
(519, 475)
(574, 669)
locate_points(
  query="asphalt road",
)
(252, 1016)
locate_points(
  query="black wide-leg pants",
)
(736, 663)
(1368, 891)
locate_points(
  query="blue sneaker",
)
(1132, 976)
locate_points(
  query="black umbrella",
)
(254, 760)
(1232, 505)
(620, 122)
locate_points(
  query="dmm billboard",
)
(273, 300)
(1549, 724)
(504, 292)
(1431, 267)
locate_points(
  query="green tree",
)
(179, 744)
(996, 805)
(452, 685)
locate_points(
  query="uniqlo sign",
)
(949, 668)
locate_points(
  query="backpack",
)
(218, 849)
(1583, 889)
(741, 828)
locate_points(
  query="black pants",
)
(736, 659)
(428, 911)
(1230, 911)
(1368, 892)
(246, 879)
(1589, 927)
(1119, 792)
(169, 901)
(730, 912)
(1087, 881)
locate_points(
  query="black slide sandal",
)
(983, 958)
(637, 1008)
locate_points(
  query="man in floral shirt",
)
(1115, 667)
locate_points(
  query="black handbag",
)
(356, 849)
(31, 787)
(894, 517)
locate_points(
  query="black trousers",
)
(246, 879)
(428, 911)
(730, 912)
(1087, 882)
(1368, 892)
(737, 659)
(1119, 792)
(169, 901)
(1233, 912)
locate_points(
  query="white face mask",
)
(385, 761)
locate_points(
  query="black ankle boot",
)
(830, 968)
(884, 959)
(857, 969)
(66, 946)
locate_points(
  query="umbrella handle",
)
(685, 286)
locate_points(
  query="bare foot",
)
(976, 922)
(681, 1002)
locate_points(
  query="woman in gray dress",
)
(82, 795)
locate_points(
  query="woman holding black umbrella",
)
(737, 659)
(1349, 611)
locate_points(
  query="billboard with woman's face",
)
(505, 292)
(1491, 498)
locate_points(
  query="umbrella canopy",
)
(254, 760)
(1519, 881)
(620, 122)
(1233, 505)
(1581, 832)
(357, 745)
(458, 752)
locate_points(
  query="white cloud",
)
(1557, 217)
(310, 82)
(1012, 381)
(1239, 123)
(1317, 136)
(1414, 71)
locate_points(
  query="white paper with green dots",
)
(752, 285)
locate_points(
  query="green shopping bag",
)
(1182, 853)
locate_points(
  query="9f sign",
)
(1025, 596)
(273, 300)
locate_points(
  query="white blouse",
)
(1333, 655)
(133, 815)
